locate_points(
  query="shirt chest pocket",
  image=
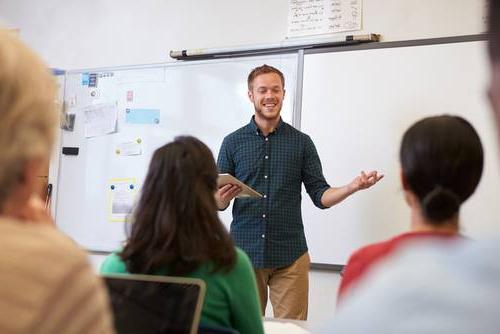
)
(286, 165)
(248, 162)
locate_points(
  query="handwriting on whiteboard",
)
(313, 17)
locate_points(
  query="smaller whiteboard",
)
(206, 99)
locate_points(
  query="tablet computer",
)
(224, 179)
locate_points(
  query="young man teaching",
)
(275, 159)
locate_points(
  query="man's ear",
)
(250, 95)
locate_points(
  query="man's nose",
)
(269, 95)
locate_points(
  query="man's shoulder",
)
(291, 130)
(237, 138)
(237, 133)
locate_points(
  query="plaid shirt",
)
(270, 229)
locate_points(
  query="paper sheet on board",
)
(100, 119)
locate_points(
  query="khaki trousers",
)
(288, 289)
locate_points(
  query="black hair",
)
(442, 162)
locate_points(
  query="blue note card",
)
(85, 79)
(142, 116)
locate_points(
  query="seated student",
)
(427, 287)
(441, 165)
(176, 231)
(434, 289)
(46, 282)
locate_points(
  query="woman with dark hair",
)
(441, 165)
(176, 232)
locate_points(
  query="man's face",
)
(494, 93)
(267, 93)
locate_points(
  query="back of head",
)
(27, 110)
(175, 224)
(181, 172)
(442, 162)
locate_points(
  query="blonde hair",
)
(28, 113)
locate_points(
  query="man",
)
(275, 159)
(434, 288)
(46, 283)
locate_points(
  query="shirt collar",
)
(253, 128)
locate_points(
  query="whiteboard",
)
(206, 99)
(356, 106)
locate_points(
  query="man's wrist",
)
(221, 205)
(351, 188)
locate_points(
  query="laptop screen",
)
(155, 304)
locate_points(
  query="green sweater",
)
(231, 298)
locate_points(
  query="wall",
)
(94, 33)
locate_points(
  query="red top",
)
(364, 258)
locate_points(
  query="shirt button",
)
(264, 216)
(265, 196)
(265, 176)
(267, 157)
(267, 139)
(263, 236)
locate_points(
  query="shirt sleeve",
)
(358, 265)
(312, 174)
(225, 162)
(350, 274)
(245, 303)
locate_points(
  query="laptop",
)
(155, 304)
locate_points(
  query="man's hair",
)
(27, 110)
(494, 29)
(263, 70)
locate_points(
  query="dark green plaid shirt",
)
(270, 229)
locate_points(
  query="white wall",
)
(72, 34)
